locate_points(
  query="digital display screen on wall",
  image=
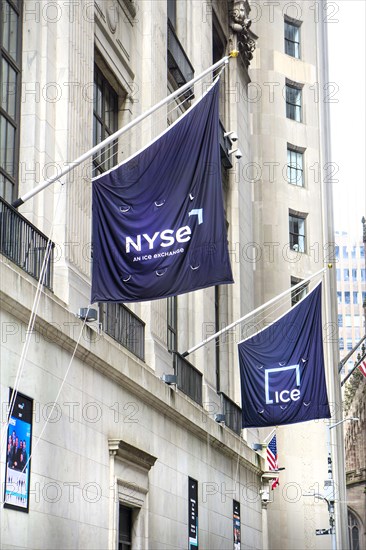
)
(236, 525)
(193, 514)
(18, 451)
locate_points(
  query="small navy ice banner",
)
(158, 218)
(282, 369)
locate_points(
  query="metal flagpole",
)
(118, 133)
(353, 369)
(345, 359)
(254, 312)
(270, 435)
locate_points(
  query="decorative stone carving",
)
(240, 25)
(112, 15)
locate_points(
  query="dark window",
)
(121, 324)
(172, 12)
(217, 340)
(355, 297)
(295, 169)
(189, 379)
(105, 122)
(300, 292)
(339, 297)
(341, 343)
(297, 233)
(292, 39)
(346, 274)
(293, 102)
(347, 297)
(232, 412)
(362, 252)
(172, 321)
(10, 52)
(363, 274)
(354, 274)
(340, 320)
(125, 528)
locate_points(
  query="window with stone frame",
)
(297, 230)
(105, 122)
(292, 38)
(125, 527)
(353, 531)
(295, 166)
(172, 12)
(10, 52)
(294, 102)
(172, 323)
(300, 292)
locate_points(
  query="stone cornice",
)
(61, 326)
(129, 453)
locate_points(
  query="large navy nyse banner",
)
(282, 369)
(158, 218)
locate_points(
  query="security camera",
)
(233, 136)
(264, 495)
(238, 154)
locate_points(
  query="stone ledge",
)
(104, 354)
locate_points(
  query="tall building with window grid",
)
(291, 188)
(351, 294)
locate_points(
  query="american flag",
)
(362, 367)
(272, 459)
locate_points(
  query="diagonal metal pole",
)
(353, 369)
(21, 200)
(345, 359)
(254, 312)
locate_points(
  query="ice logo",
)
(282, 384)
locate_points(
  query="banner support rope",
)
(254, 312)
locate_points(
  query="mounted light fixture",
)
(233, 136)
(238, 154)
(220, 418)
(170, 379)
(87, 314)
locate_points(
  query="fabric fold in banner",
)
(158, 218)
(282, 369)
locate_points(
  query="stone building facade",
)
(292, 198)
(355, 442)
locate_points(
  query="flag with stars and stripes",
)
(362, 367)
(272, 459)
